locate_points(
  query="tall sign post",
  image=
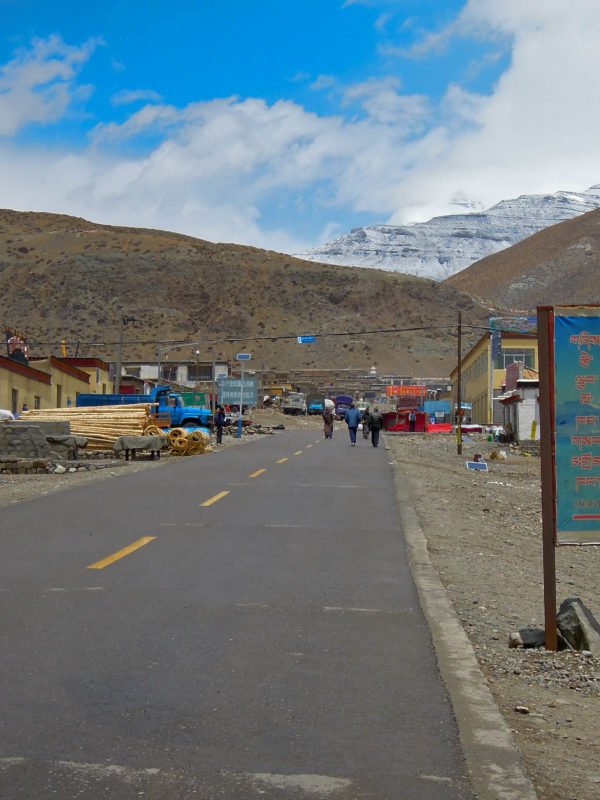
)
(569, 356)
(242, 358)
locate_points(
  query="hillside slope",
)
(560, 264)
(64, 277)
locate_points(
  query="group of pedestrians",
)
(372, 423)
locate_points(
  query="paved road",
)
(268, 644)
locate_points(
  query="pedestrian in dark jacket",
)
(219, 423)
(375, 424)
(352, 417)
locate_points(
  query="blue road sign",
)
(243, 357)
(307, 339)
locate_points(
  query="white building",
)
(520, 402)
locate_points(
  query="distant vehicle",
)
(294, 403)
(315, 403)
(170, 406)
(342, 404)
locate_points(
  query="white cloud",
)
(39, 84)
(536, 131)
(125, 97)
(217, 169)
(382, 100)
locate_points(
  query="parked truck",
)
(315, 403)
(170, 406)
(342, 404)
(294, 403)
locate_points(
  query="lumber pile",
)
(100, 425)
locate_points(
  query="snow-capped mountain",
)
(446, 245)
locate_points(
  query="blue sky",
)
(284, 123)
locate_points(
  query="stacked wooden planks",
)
(101, 425)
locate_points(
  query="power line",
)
(267, 338)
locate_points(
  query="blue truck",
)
(342, 404)
(170, 406)
(315, 403)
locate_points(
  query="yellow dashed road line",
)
(297, 453)
(215, 499)
(281, 460)
(257, 473)
(122, 553)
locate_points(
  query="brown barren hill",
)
(559, 265)
(66, 278)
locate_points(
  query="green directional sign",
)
(230, 391)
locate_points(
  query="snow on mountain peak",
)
(448, 244)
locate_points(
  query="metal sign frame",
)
(568, 399)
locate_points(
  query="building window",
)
(525, 355)
(58, 395)
(14, 401)
(135, 372)
(37, 402)
(199, 373)
(168, 373)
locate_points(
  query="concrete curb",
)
(493, 762)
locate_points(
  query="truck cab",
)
(294, 403)
(315, 403)
(181, 416)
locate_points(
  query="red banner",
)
(406, 391)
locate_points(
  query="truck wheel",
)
(191, 423)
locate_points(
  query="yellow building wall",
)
(475, 378)
(100, 382)
(65, 387)
(27, 389)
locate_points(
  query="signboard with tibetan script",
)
(574, 350)
(406, 391)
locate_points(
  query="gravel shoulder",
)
(483, 532)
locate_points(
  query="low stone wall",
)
(12, 465)
(23, 441)
(48, 428)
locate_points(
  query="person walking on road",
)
(365, 423)
(219, 423)
(352, 417)
(375, 424)
(412, 418)
(328, 423)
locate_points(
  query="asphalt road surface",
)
(242, 625)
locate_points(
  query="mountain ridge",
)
(68, 278)
(445, 245)
(558, 265)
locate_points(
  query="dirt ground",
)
(484, 536)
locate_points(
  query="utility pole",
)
(213, 399)
(459, 388)
(124, 322)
